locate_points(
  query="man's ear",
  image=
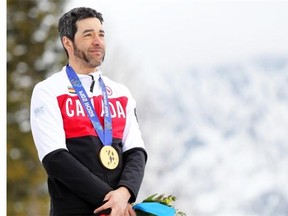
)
(67, 43)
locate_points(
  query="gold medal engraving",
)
(109, 157)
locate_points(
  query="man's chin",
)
(95, 64)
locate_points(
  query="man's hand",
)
(117, 201)
(130, 211)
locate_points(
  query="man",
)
(86, 132)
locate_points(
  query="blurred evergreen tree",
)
(33, 51)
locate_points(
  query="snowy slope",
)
(217, 138)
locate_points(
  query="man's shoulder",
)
(52, 81)
(116, 87)
(55, 76)
(52, 77)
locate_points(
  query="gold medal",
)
(109, 157)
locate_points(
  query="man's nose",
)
(96, 40)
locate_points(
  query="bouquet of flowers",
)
(159, 205)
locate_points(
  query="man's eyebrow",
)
(91, 30)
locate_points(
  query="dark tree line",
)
(33, 51)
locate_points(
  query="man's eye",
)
(88, 35)
(102, 35)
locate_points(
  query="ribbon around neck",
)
(105, 134)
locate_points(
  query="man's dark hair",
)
(67, 23)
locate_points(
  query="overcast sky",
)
(173, 35)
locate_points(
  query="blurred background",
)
(211, 83)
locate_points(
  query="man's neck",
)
(80, 69)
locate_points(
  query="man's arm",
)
(134, 161)
(61, 165)
(49, 138)
(134, 153)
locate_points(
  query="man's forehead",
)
(89, 23)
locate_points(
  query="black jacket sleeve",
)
(133, 172)
(61, 165)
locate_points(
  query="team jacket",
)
(69, 147)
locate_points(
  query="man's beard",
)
(91, 62)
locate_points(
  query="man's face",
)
(89, 44)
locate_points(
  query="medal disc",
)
(109, 157)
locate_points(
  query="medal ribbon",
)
(106, 134)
